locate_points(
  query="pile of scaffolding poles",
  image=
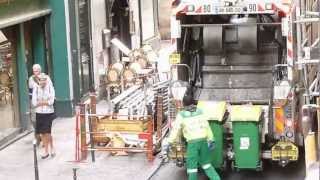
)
(125, 94)
(162, 89)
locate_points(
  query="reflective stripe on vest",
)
(206, 166)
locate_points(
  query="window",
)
(85, 59)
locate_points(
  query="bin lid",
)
(214, 110)
(246, 113)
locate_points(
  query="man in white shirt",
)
(42, 99)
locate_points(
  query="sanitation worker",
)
(195, 128)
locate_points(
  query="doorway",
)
(8, 83)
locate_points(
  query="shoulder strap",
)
(35, 79)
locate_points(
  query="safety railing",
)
(94, 129)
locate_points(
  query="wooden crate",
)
(102, 127)
(117, 125)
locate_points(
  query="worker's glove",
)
(211, 145)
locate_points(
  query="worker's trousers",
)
(197, 154)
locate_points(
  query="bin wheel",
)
(179, 162)
(260, 167)
(233, 167)
(224, 165)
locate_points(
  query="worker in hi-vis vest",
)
(193, 125)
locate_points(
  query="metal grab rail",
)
(180, 65)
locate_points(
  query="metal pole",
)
(74, 173)
(318, 99)
(140, 22)
(77, 148)
(83, 138)
(306, 83)
(92, 110)
(318, 117)
(91, 80)
(299, 34)
(159, 116)
(35, 160)
(144, 95)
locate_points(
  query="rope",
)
(15, 139)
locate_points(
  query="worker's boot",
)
(192, 176)
(211, 172)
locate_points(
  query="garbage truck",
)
(242, 58)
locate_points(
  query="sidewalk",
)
(6, 135)
(17, 159)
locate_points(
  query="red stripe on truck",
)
(199, 10)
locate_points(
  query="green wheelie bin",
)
(215, 112)
(246, 136)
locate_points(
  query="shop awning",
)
(23, 17)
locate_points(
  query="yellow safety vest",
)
(193, 125)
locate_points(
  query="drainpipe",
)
(140, 22)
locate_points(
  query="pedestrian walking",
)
(34, 81)
(193, 125)
(43, 96)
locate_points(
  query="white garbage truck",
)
(254, 62)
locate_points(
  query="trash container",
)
(246, 136)
(215, 112)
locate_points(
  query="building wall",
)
(14, 14)
(15, 8)
(135, 38)
(61, 60)
(147, 25)
(164, 18)
(10, 111)
(100, 56)
(19, 11)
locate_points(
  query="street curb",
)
(12, 137)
